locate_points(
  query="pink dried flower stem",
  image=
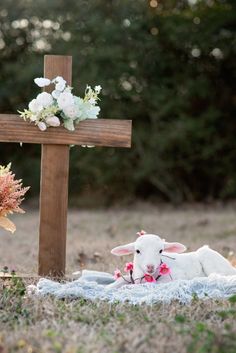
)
(11, 196)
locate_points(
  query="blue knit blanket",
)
(92, 285)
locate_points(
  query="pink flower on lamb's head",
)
(117, 274)
(142, 232)
(149, 278)
(164, 269)
(128, 267)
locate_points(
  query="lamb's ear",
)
(174, 247)
(123, 250)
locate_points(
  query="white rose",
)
(53, 121)
(60, 83)
(35, 106)
(45, 99)
(60, 86)
(42, 126)
(42, 82)
(65, 99)
(58, 79)
(71, 111)
(56, 94)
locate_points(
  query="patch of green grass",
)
(203, 337)
(180, 318)
(232, 299)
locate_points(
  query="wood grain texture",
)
(57, 65)
(54, 187)
(99, 132)
(53, 210)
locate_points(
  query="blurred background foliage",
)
(169, 65)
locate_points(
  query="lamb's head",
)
(148, 251)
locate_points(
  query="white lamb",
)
(150, 251)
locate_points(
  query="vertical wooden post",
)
(54, 187)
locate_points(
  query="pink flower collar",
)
(163, 270)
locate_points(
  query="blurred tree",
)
(169, 65)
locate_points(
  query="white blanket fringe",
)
(92, 285)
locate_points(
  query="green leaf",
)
(69, 124)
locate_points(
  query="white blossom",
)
(69, 108)
(65, 99)
(45, 99)
(92, 101)
(72, 111)
(79, 102)
(35, 106)
(56, 94)
(58, 79)
(98, 89)
(93, 112)
(60, 83)
(42, 126)
(52, 121)
(42, 82)
(60, 86)
(82, 107)
(88, 111)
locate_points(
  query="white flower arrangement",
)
(61, 107)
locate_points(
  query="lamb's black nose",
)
(150, 268)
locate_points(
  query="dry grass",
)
(48, 325)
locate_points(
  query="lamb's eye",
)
(160, 251)
(138, 251)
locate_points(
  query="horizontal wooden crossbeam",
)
(99, 132)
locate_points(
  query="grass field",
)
(49, 325)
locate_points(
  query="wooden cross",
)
(55, 165)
